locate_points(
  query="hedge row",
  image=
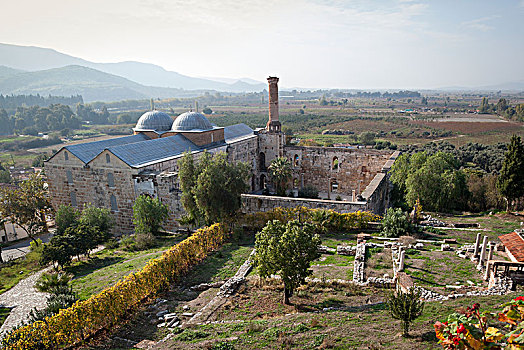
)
(324, 219)
(112, 305)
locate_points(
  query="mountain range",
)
(29, 69)
(32, 70)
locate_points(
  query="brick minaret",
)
(273, 125)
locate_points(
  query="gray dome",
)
(154, 120)
(191, 121)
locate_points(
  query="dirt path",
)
(23, 297)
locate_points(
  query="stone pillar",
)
(353, 195)
(273, 125)
(482, 253)
(477, 246)
(490, 251)
(401, 260)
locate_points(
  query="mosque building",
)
(112, 173)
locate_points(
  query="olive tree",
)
(287, 250)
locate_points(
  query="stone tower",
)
(273, 125)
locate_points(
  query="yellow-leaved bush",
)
(327, 218)
(112, 305)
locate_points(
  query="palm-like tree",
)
(280, 173)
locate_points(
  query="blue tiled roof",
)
(238, 131)
(139, 154)
(89, 150)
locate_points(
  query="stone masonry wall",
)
(258, 203)
(315, 166)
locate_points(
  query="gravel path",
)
(23, 297)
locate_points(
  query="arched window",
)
(110, 180)
(295, 183)
(253, 186)
(108, 158)
(73, 199)
(114, 206)
(334, 164)
(262, 160)
(296, 161)
(334, 185)
(66, 155)
(69, 175)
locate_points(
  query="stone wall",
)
(335, 171)
(255, 203)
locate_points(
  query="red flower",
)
(519, 298)
(461, 329)
(456, 341)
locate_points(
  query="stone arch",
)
(335, 165)
(296, 160)
(253, 184)
(262, 181)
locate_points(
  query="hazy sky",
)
(307, 43)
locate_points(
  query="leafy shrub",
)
(50, 281)
(405, 307)
(330, 220)
(308, 192)
(149, 214)
(137, 242)
(396, 223)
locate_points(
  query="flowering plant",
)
(469, 329)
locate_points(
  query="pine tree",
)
(511, 180)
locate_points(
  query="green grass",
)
(4, 312)
(108, 266)
(220, 265)
(13, 272)
(357, 329)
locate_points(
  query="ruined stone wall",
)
(335, 171)
(258, 203)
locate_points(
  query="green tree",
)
(405, 307)
(435, 180)
(367, 138)
(280, 173)
(219, 186)
(100, 219)
(207, 110)
(66, 216)
(187, 175)
(511, 179)
(287, 250)
(149, 214)
(484, 106)
(26, 205)
(396, 223)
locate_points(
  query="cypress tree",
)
(511, 179)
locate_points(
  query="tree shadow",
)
(91, 265)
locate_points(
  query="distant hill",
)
(7, 72)
(31, 58)
(92, 84)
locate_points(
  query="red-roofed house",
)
(514, 244)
